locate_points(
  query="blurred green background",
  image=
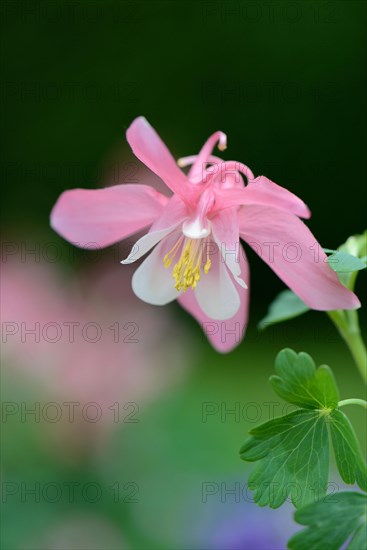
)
(287, 82)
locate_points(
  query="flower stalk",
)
(347, 324)
(353, 401)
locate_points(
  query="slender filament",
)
(187, 270)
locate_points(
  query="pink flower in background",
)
(197, 257)
(85, 341)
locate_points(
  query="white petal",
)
(233, 265)
(216, 293)
(152, 282)
(143, 245)
(226, 235)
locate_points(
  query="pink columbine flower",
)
(197, 257)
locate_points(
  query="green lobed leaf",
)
(359, 539)
(292, 451)
(343, 262)
(293, 455)
(332, 522)
(356, 248)
(356, 245)
(300, 383)
(349, 459)
(285, 306)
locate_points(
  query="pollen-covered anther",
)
(187, 270)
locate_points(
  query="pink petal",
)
(175, 212)
(284, 242)
(226, 235)
(105, 216)
(265, 192)
(152, 282)
(150, 149)
(223, 335)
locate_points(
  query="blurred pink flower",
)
(198, 259)
(78, 347)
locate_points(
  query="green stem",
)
(348, 326)
(353, 401)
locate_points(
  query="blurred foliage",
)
(187, 438)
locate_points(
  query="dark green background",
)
(285, 80)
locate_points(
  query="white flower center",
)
(196, 229)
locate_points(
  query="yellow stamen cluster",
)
(187, 271)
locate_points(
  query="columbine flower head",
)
(193, 236)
